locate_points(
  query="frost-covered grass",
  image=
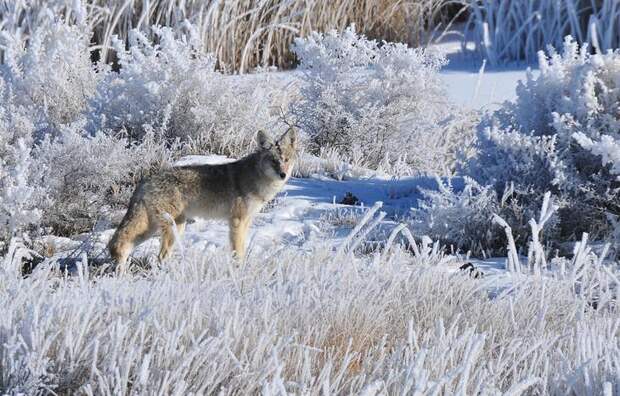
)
(304, 323)
(313, 315)
(518, 29)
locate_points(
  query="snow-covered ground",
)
(486, 90)
(474, 84)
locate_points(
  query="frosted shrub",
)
(560, 136)
(378, 102)
(157, 84)
(460, 217)
(172, 86)
(50, 72)
(89, 176)
(227, 121)
(18, 194)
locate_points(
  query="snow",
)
(474, 83)
(495, 86)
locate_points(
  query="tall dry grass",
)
(243, 34)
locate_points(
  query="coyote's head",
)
(278, 157)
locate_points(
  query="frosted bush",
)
(50, 72)
(330, 164)
(170, 85)
(559, 136)
(227, 121)
(459, 216)
(379, 102)
(87, 177)
(157, 84)
(18, 194)
(25, 16)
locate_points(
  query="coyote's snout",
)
(233, 191)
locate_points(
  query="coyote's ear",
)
(289, 139)
(263, 140)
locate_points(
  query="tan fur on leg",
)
(180, 222)
(239, 224)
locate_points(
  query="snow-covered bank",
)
(484, 91)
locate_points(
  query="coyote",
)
(232, 191)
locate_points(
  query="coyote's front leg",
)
(239, 224)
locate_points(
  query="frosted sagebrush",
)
(156, 86)
(18, 193)
(459, 216)
(88, 178)
(374, 103)
(50, 73)
(169, 84)
(559, 136)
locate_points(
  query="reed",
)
(517, 30)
